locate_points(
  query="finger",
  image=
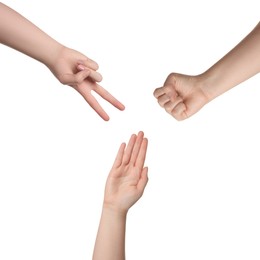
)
(94, 75)
(119, 157)
(163, 100)
(137, 146)
(142, 154)
(143, 180)
(169, 106)
(129, 149)
(94, 104)
(108, 97)
(179, 112)
(89, 63)
(158, 92)
(168, 90)
(73, 79)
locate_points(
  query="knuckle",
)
(62, 79)
(168, 109)
(160, 103)
(168, 88)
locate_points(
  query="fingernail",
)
(81, 67)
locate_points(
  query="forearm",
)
(19, 33)
(110, 241)
(240, 64)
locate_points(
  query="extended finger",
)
(108, 97)
(119, 157)
(129, 149)
(142, 154)
(94, 104)
(137, 146)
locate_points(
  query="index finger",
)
(94, 104)
(158, 92)
(119, 157)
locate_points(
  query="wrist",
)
(209, 85)
(114, 209)
(51, 58)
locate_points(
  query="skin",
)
(69, 66)
(184, 95)
(124, 187)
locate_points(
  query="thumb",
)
(143, 180)
(74, 79)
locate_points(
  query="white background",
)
(202, 200)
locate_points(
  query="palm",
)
(128, 177)
(123, 189)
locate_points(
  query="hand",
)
(76, 70)
(182, 95)
(128, 177)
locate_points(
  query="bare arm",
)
(110, 241)
(125, 185)
(69, 66)
(240, 64)
(19, 33)
(184, 95)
